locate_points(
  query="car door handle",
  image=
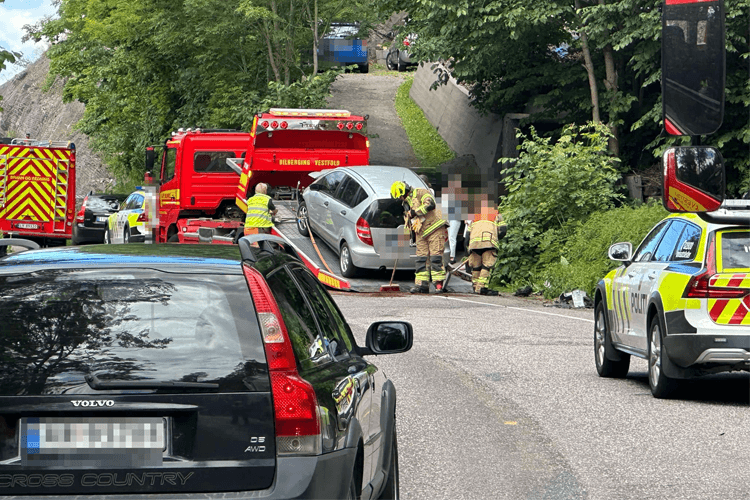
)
(652, 275)
(631, 274)
(325, 204)
(343, 212)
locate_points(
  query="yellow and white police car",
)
(680, 301)
(130, 223)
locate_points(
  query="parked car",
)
(90, 224)
(341, 46)
(399, 55)
(681, 301)
(351, 210)
(171, 370)
(132, 223)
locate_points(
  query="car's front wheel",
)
(606, 367)
(348, 270)
(126, 234)
(108, 237)
(391, 491)
(661, 385)
(302, 224)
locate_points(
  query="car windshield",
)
(133, 325)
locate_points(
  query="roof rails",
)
(265, 244)
(19, 242)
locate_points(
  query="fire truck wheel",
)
(348, 270)
(302, 226)
(174, 238)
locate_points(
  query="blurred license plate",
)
(24, 225)
(92, 442)
(102, 219)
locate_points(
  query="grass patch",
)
(429, 147)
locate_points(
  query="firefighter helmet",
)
(399, 189)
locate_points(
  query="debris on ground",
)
(576, 299)
(524, 292)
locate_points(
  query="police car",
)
(681, 300)
(131, 223)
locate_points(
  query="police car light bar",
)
(334, 113)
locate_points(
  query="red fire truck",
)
(198, 176)
(37, 190)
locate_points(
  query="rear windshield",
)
(124, 325)
(387, 213)
(735, 250)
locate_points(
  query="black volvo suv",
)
(206, 371)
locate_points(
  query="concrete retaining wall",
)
(466, 131)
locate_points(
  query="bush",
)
(552, 189)
(583, 261)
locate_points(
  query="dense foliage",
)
(581, 261)
(521, 56)
(553, 187)
(144, 68)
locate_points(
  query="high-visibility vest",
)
(433, 219)
(486, 231)
(258, 214)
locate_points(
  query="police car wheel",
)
(390, 59)
(108, 237)
(606, 367)
(302, 226)
(348, 270)
(661, 385)
(126, 235)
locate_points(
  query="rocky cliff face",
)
(27, 109)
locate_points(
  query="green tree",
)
(6, 56)
(517, 55)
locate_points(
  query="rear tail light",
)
(701, 286)
(274, 124)
(284, 125)
(349, 125)
(142, 217)
(294, 401)
(264, 124)
(81, 213)
(363, 232)
(340, 125)
(359, 126)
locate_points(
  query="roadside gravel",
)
(374, 95)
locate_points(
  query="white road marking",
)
(519, 309)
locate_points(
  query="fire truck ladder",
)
(61, 195)
(3, 179)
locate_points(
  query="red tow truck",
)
(206, 175)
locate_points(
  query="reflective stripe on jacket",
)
(421, 201)
(486, 231)
(258, 214)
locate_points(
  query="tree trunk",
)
(589, 65)
(610, 83)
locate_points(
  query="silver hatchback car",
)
(351, 209)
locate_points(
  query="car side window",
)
(331, 321)
(138, 201)
(350, 192)
(127, 202)
(310, 348)
(687, 245)
(668, 243)
(646, 250)
(170, 161)
(331, 182)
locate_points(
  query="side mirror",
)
(693, 61)
(388, 337)
(621, 251)
(694, 179)
(150, 158)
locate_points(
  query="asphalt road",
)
(499, 398)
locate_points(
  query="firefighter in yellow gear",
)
(484, 240)
(260, 210)
(423, 216)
